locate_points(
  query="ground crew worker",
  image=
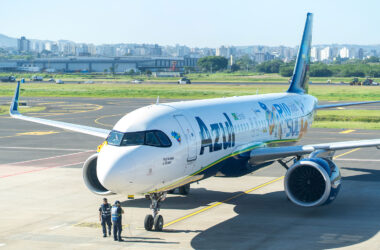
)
(116, 213)
(105, 217)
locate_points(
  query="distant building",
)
(221, 51)
(315, 54)
(23, 45)
(344, 53)
(360, 54)
(326, 54)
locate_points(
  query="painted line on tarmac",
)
(347, 131)
(238, 195)
(2, 244)
(47, 158)
(58, 226)
(31, 133)
(346, 153)
(48, 149)
(105, 116)
(222, 202)
(361, 160)
(40, 169)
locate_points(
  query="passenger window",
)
(131, 139)
(163, 139)
(151, 139)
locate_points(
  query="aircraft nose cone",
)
(113, 169)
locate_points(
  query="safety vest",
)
(106, 210)
(115, 215)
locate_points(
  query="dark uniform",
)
(105, 210)
(116, 220)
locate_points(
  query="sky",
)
(195, 23)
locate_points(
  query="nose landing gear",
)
(155, 220)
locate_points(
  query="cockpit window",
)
(154, 138)
(163, 138)
(131, 139)
(114, 138)
(151, 139)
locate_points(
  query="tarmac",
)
(44, 203)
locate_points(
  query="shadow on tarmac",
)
(270, 221)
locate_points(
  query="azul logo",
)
(176, 136)
(222, 136)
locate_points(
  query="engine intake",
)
(90, 176)
(312, 182)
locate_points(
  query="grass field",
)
(171, 91)
(4, 109)
(239, 76)
(352, 119)
(363, 119)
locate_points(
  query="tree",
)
(372, 59)
(320, 70)
(235, 67)
(213, 63)
(131, 72)
(148, 72)
(286, 71)
(270, 66)
(245, 62)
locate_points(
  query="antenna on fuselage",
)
(158, 100)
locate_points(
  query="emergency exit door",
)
(189, 136)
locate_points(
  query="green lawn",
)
(352, 119)
(171, 91)
(356, 119)
(4, 109)
(239, 76)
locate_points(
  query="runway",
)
(45, 203)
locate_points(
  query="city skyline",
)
(199, 24)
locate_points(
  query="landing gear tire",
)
(185, 189)
(148, 222)
(158, 223)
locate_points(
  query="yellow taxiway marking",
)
(346, 153)
(340, 108)
(222, 202)
(38, 133)
(347, 131)
(105, 116)
(31, 133)
(240, 194)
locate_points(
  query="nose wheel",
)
(155, 220)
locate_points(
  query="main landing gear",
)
(155, 220)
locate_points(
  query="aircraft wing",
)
(13, 111)
(344, 104)
(260, 155)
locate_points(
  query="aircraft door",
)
(189, 136)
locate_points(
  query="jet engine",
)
(90, 176)
(312, 182)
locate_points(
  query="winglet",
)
(300, 79)
(13, 110)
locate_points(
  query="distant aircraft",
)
(158, 148)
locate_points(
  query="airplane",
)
(165, 146)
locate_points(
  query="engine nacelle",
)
(312, 182)
(90, 176)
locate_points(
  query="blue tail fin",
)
(300, 79)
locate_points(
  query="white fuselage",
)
(203, 133)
